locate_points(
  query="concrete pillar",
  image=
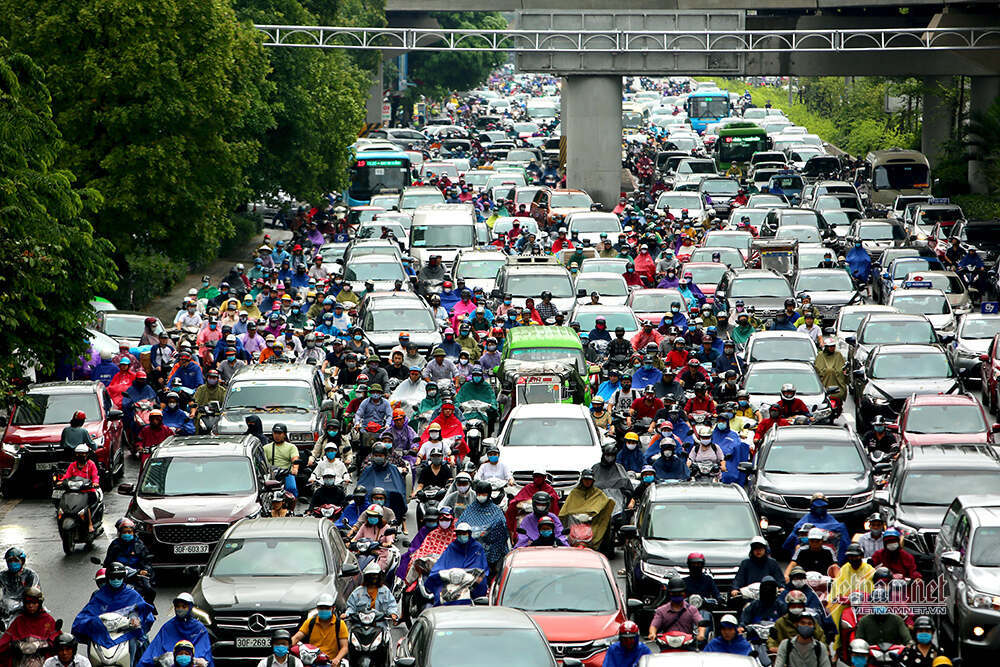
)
(373, 108)
(936, 124)
(592, 124)
(984, 90)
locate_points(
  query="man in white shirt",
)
(492, 468)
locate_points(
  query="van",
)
(442, 229)
(894, 172)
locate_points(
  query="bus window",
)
(901, 176)
(708, 107)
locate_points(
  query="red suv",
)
(945, 419)
(31, 450)
(570, 593)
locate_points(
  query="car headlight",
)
(12, 448)
(654, 571)
(860, 499)
(978, 600)
(605, 643)
(877, 400)
(771, 498)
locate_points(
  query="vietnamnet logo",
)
(898, 596)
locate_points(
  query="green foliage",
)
(438, 73)
(246, 225)
(53, 263)
(162, 103)
(978, 207)
(150, 275)
(982, 138)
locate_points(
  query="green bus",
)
(737, 142)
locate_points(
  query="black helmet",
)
(482, 486)
(278, 635)
(116, 570)
(546, 293)
(923, 623)
(700, 386)
(380, 449)
(629, 265)
(881, 574)
(854, 549)
(66, 640)
(676, 585)
(279, 428)
(789, 302)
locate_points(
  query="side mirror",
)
(881, 495)
(832, 389)
(629, 531)
(773, 530)
(946, 339)
(95, 560)
(126, 489)
(115, 415)
(269, 485)
(581, 293)
(745, 467)
(571, 662)
(851, 340)
(632, 604)
(984, 357)
(194, 571)
(327, 405)
(951, 558)
(481, 601)
(350, 570)
(886, 275)
(859, 373)
(883, 468)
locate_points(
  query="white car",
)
(931, 303)
(610, 286)
(589, 225)
(676, 202)
(780, 346)
(763, 382)
(849, 318)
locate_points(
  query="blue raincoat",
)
(643, 377)
(125, 601)
(826, 522)
(739, 646)
(172, 632)
(387, 476)
(860, 263)
(178, 420)
(736, 451)
(465, 556)
(631, 459)
(607, 389)
(619, 657)
(488, 517)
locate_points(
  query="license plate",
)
(46, 466)
(253, 642)
(190, 548)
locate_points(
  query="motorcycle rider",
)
(624, 397)
(803, 649)
(774, 418)
(628, 650)
(669, 466)
(492, 468)
(587, 498)
(462, 496)
(829, 364)
(757, 565)
(704, 449)
(212, 390)
(182, 626)
(797, 581)
(153, 433)
(326, 629)
(922, 651)
(282, 454)
(698, 582)
(894, 557)
(330, 461)
(66, 655)
(789, 405)
(529, 530)
(175, 416)
(281, 643)
(75, 434)
(820, 518)
(130, 550)
(619, 345)
(729, 639)
(880, 625)
(83, 467)
(354, 510)
(880, 438)
(488, 524)
(871, 541)
(372, 594)
(17, 578)
(677, 614)
(767, 606)
(32, 622)
(814, 556)
(464, 553)
(115, 596)
(329, 492)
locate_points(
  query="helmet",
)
(184, 597)
(81, 449)
(795, 597)
(788, 388)
(117, 570)
(66, 640)
(15, 553)
(676, 585)
(890, 533)
(79, 415)
(628, 633)
(695, 558)
(100, 577)
(789, 302)
(184, 645)
(34, 592)
(859, 647)
(854, 549)
(124, 523)
(278, 635)
(881, 574)
(923, 623)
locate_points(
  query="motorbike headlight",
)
(658, 572)
(771, 498)
(860, 499)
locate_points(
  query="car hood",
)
(921, 439)
(188, 509)
(717, 554)
(570, 627)
(549, 457)
(380, 285)
(388, 339)
(984, 579)
(251, 593)
(832, 298)
(975, 345)
(921, 516)
(806, 485)
(902, 388)
(233, 421)
(44, 432)
(942, 321)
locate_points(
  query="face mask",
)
(324, 614)
(630, 445)
(722, 426)
(648, 479)
(924, 637)
(545, 533)
(183, 659)
(329, 481)
(181, 613)
(230, 357)
(677, 598)
(894, 546)
(358, 338)
(172, 404)
(648, 367)
(879, 429)
(373, 521)
(462, 539)
(380, 501)
(14, 566)
(483, 499)
(493, 458)
(743, 404)
(803, 540)
(675, 310)
(212, 382)
(797, 583)
(667, 453)
(491, 348)
(436, 461)
(462, 487)
(434, 435)
(445, 525)
(281, 650)
(859, 660)
(806, 631)
(876, 533)
(128, 537)
(116, 583)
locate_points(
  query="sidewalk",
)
(167, 305)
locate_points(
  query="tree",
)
(437, 73)
(162, 104)
(982, 138)
(53, 264)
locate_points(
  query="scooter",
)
(369, 642)
(310, 655)
(208, 418)
(428, 498)
(140, 418)
(118, 654)
(71, 499)
(30, 652)
(416, 597)
(370, 550)
(757, 635)
(10, 607)
(581, 533)
(140, 582)
(705, 471)
(458, 584)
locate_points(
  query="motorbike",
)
(208, 418)
(140, 418)
(885, 653)
(458, 583)
(498, 494)
(416, 597)
(705, 471)
(581, 533)
(118, 654)
(30, 652)
(757, 634)
(327, 511)
(428, 498)
(140, 582)
(10, 607)
(370, 550)
(369, 642)
(675, 641)
(310, 655)
(71, 500)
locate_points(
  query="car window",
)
(38, 408)
(938, 488)
(493, 647)
(949, 521)
(271, 557)
(946, 419)
(886, 333)
(814, 458)
(986, 547)
(197, 476)
(547, 589)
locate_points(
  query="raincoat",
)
(387, 476)
(859, 262)
(451, 427)
(826, 522)
(590, 501)
(830, 368)
(735, 450)
(489, 518)
(125, 601)
(174, 630)
(619, 657)
(529, 525)
(25, 626)
(468, 556)
(526, 492)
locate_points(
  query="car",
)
(292, 394)
(718, 193)
(589, 225)
(983, 234)
(731, 238)
(850, 317)
(840, 219)
(604, 265)
(395, 223)
(829, 289)
(586, 315)
(191, 490)
(485, 636)
(920, 217)
(989, 375)
(973, 339)
(966, 558)
(902, 201)
(706, 275)
(384, 271)
(917, 299)
(836, 201)
(559, 438)
(479, 268)
(780, 346)
(526, 276)
(653, 303)
(804, 234)
(366, 247)
(876, 234)
(934, 419)
(889, 328)
(764, 291)
(31, 452)
(794, 462)
(948, 282)
(671, 659)
(797, 217)
(728, 257)
(267, 574)
(763, 381)
(382, 320)
(922, 485)
(444, 230)
(571, 594)
(895, 270)
(766, 201)
(610, 286)
(676, 203)
(676, 519)
(892, 373)
(125, 326)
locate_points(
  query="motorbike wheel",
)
(67, 542)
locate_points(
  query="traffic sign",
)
(386, 113)
(990, 307)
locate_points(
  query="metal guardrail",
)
(602, 41)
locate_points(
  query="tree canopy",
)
(437, 73)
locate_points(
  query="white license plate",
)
(253, 642)
(46, 466)
(190, 548)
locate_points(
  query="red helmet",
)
(628, 634)
(80, 414)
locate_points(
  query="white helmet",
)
(325, 600)
(372, 568)
(81, 449)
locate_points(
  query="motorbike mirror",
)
(859, 373)
(883, 468)
(481, 601)
(496, 294)
(350, 570)
(571, 662)
(581, 293)
(633, 603)
(126, 489)
(194, 571)
(269, 485)
(628, 530)
(851, 340)
(95, 560)
(327, 405)
(214, 406)
(773, 530)
(59, 624)
(745, 467)
(115, 415)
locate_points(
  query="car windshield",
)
(696, 166)
(562, 589)
(814, 458)
(549, 431)
(986, 545)
(721, 186)
(603, 286)
(827, 281)
(333, 252)
(126, 326)
(570, 200)
(811, 257)
(921, 304)
(479, 268)
(901, 176)
(38, 409)
(900, 269)
(800, 233)
(595, 224)
(851, 320)
(677, 202)
(373, 230)
(197, 476)
(493, 647)
(603, 266)
(552, 354)
(655, 302)
(727, 256)
(412, 200)
(769, 381)
(838, 218)
(911, 365)
(979, 328)
(945, 419)
(374, 249)
(399, 319)
(881, 232)
(882, 333)
(270, 557)
(360, 271)
(526, 284)
(700, 521)
(443, 236)
(706, 274)
(947, 283)
(938, 488)
(799, 218)
(740, 241)
(613, 319)
(756, 218)
(783, 348)
(760, 287)
(264, 394)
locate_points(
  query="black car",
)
(886, 329)
(266, 575)
(761, 290)
(875, 234)
(924, 482)
(676, 519)
(893, 373)
(794, 462)
(783, 217)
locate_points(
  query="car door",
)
(953, 576)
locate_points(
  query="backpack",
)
(786, 646)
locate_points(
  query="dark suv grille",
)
(562, 480)
(802, 502)
(203, 533)
(259, 622)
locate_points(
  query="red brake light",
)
(362, 163)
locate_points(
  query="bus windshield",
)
(708, 107)
(902, 176)
(740, 148)
(370, 176)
